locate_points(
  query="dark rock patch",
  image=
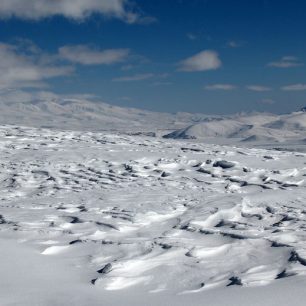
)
(234, 236)
(165, 174)
(107, 225)
(165, 246)
(192, 149)
(295, 257)
(2, 220)
(93, 281)
(275, 244)
(206, 232)
(202, 170)
(223, 164)
(234, 281)
(75, 241)
(106, 269)
(284, 274)
(75, 220)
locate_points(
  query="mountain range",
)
(83, 114)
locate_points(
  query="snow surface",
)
(101, 218)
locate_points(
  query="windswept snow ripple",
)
(161, 214)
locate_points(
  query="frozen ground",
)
(109, 219)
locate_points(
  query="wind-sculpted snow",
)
(160, 215)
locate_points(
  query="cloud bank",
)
(205, 60)
(294, 87)
(220, 87)
(258, 88)
(286, 62)
(27, 68)
(133, 78)
(84, 55)
(73, 9)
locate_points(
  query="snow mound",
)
(220, 128)
(259, 138)
(292, 122)
(248, 128)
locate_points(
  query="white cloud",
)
(294, 87)
(26, 68)
(74, 9)
(258, 88)
(286, 62)
(220, 87)
(205, 60)
(82, 54)
(136, 77)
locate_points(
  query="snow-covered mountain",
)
(83, 114)
(258, 127)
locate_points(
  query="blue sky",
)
(209, 56)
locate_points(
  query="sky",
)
(205, 56)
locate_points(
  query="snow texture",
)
(91, 218)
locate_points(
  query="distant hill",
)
(82, 114)
(248, 128)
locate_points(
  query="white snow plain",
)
(101, 218)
